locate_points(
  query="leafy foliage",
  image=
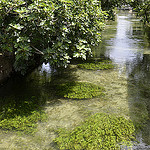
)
(108, 6)
(142, 7)
(100, 131)
(96, 65)
(21, 116)
(57, 30)
(79, 90)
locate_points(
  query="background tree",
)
(108, 6)
(142, 7)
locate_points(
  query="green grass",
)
(100, 64)
(21, 115)
(99, 132)
(79, 90)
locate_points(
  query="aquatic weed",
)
(79, 90)
(100, 131)
(21, 116)
(100, 64)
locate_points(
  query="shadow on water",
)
(36, 83)
(21, 96)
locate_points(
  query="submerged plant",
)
(21, 116)
(79, 90)
(100, 64)
(99, 132)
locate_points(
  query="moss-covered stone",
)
(79, 90)
(100, 131)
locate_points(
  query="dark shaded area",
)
(6, 68)
(21, 95)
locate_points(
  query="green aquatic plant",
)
(79, 90)
(100, 64)
(100, 131)
(21, 116)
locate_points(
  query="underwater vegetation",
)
(79, 90)
(99, 64)
(21, 116)
(100, 131)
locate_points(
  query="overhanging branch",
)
(37, 50)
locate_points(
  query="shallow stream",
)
(127, 88)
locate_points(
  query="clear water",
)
(126, 43)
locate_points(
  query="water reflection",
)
(139, 76)
(28, 86)
(124, 41)
(127, 44)
(45, 68)
(124, 47)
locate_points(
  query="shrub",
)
(57, 30)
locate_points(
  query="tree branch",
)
(38, 51)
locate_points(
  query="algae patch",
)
(21, 116)
(99, 131)
(79, 90)
(100, 64)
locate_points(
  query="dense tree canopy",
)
(142, 7)
(55, 30)
(108, 6)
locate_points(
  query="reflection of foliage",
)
(97, 65)
(21, 116)
(79, 90)
(57, 30)
(100, 131)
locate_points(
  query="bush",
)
(57, 30)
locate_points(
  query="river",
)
(127, 44)
(128, 86)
